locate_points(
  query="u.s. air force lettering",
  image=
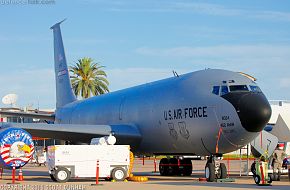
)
(189, 112)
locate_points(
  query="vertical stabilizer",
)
(64, 92)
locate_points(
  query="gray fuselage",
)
(179, 115)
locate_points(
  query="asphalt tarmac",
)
(37, 178)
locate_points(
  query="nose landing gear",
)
(175, 166)
(215, 170)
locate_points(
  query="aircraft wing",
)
(49, 117)
(77, 133)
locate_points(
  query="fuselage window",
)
(216, 90)
(255, 88)
(225, 90)
(234, 88)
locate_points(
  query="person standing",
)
(278, 157)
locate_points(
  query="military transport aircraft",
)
(208, 112)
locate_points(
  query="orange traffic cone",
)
(20, 176)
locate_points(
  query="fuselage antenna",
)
(175, 73)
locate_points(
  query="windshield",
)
(234, 88)
(255, 88)
(224, 90)
(216, 90)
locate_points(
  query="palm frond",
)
(88, 78)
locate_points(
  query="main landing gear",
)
(175, 166)
(215, 170)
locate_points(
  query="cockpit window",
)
(216, 90)
(225, 90)
(234, 88)
(255, 88)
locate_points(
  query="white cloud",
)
(273, 80)
(218, 51)
(268, 63)
(219, 10)
(35, 86)
(189, 7)
(23, 39)
(121, 78)
(271, 15)
(285, 82)
(206, 8)
(38, 85)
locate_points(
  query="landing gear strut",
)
(215, 170)
(175, 166)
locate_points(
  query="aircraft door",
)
(217, 141)
(213, 125)
(226, 127)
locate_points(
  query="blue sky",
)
(143, 41)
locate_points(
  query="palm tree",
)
(88, 78)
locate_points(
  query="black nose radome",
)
(253, 109)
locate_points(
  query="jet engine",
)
(16, 147)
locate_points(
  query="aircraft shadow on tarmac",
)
(222, 185)
(155, 178)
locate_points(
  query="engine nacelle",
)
(16, 147)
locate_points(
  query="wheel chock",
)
(202, 179)
(225, 180)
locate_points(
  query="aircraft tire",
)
(253, 168)
(210, 172)
(181, 167)
(187, 167)
(163, 167)
(223, 171)
(270, 179)
(173, 168)
(52, 177)
(62, 174)
(257, 179)
(119, 174)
